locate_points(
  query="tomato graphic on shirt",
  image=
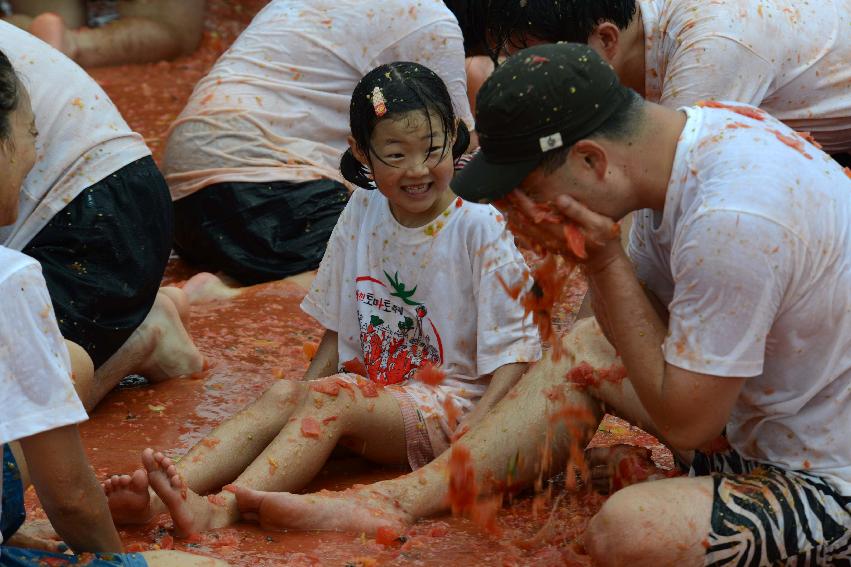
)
(396, 334)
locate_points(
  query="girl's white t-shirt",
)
(400, 296)
(36, 392)
(275, 107)
(752, 256)
(82, 137)
(789, 58)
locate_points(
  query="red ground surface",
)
(256, 339)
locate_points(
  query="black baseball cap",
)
(541, 98)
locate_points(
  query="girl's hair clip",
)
(378, 102)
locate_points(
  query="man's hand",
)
(565, 227)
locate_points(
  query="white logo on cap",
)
(551, 142)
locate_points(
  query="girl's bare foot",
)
(357, 510)
(190, 512)
(128, 498)
(206, 288)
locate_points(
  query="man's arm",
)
(68, 490)
(326, 360)
(688, 408)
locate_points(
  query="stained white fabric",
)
(275, 107)
(82, 137)
(752, 256)
(789, 58)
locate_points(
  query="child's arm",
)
(326, 361)
(503, 379)
(68, 490)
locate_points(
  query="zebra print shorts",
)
(767, 516)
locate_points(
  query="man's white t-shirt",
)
(276, 105)
(82, 137)
(36, 392)
(400, 296)
(789, 58)
(752, 256)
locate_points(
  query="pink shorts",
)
(425, 413)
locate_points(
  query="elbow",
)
(688, 436)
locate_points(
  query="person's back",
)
(82, 136)
(275, 105)
(756, 237)
(791, 60)
(252, 161)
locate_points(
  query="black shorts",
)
(104, 255)
(258, 232)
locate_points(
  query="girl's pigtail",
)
(354, 171)
(462, 141)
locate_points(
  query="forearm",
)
(636, 329)
(326, 360)
(69, 492)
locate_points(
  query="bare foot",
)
(356, 510)
(172, 352)
(180, 300)
(206, 287)
(128, 498)
(190, 512)
(50, 28)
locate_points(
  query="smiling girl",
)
(410, 279)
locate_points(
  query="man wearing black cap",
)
(742, 235)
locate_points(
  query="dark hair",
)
(10, 94)
(405, 87)
(511, 22)
(621, 125)
(471, 16)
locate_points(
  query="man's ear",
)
(356, 151)
(605, 40)
(589, 157)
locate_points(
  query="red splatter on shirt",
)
(754, 113)
(429, 374)
(795, 143)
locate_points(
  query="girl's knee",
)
(284, 392)
(82, 373)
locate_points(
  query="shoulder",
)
(477, 219)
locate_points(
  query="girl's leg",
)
(215, 460)
(293, 458)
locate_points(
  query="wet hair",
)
(621, 126)
(471, 16)
(512, 22)
(10, 95)
(405, 87)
